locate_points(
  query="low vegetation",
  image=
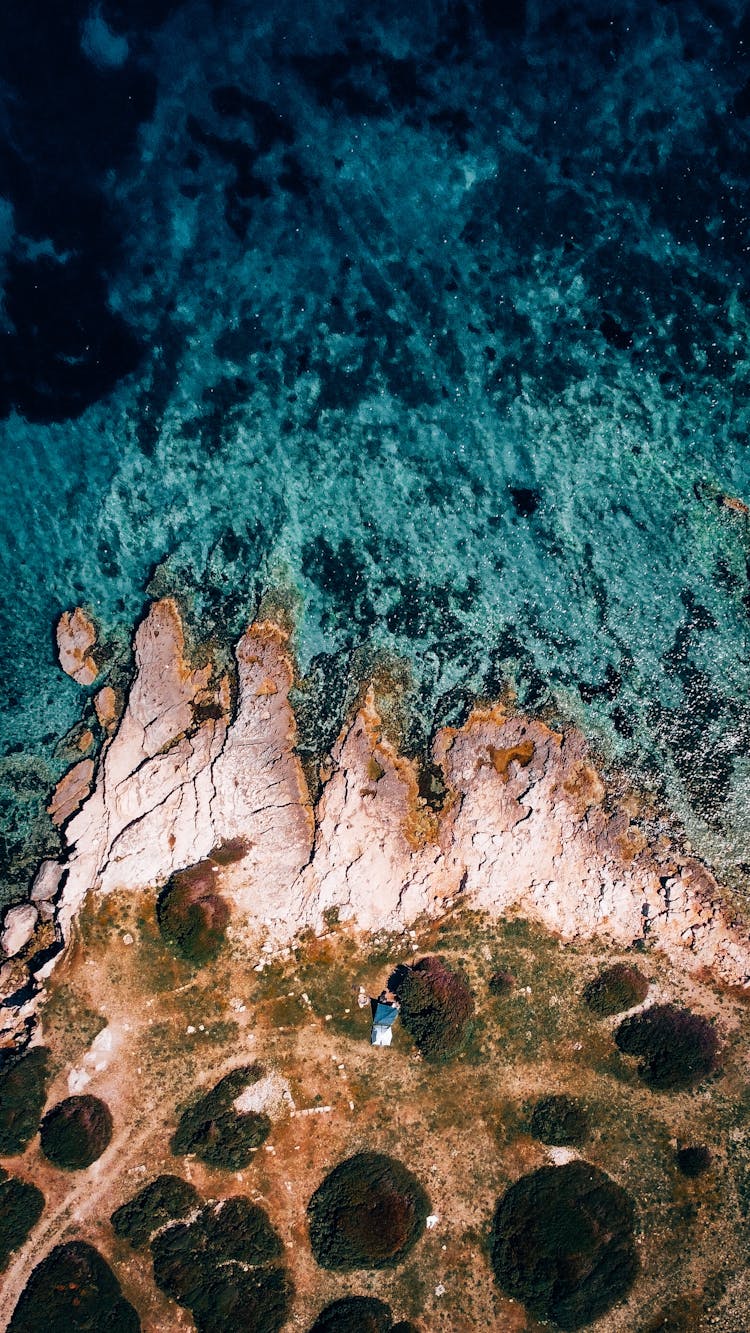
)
(677, 1048)
(21, 1206)
(437, 1006)
(23, 1092)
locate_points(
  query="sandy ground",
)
(170, 1030)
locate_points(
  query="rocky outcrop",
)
(528, 823)
(76, 637)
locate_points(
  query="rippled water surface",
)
(437, 315)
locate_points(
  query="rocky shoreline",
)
(527, 825)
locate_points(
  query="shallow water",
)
(438, 318)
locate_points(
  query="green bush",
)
(677, 1048)
(21, 1206)
(559, 1120)
(436, 1006)
(73, 1290)
(616, 989)
(369, 1212)
(221, 1266)
(562, 1243)
(23, 1092)
(215, 1132)
(76, 1132)
(354, 1314)
(192, 916)
(166, 1199)
(693, 1161)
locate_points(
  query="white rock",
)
(18, 928)
(46, 881)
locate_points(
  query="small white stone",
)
(440, 1289)
(127, 938)
(190, 1029)
(431, 1221)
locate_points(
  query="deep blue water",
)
(436, 315)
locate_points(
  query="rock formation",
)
(76, 637)
(528, 823)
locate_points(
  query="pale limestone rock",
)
(76, 637)
(47, 881)
(524, 827)
(18, 928)
(71, 791)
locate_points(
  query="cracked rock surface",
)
(528, 822)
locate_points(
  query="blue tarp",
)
(385, 1014)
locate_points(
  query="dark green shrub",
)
(246, 1302)
(368, 1213)
(677, 1048)
(354, 1314)
(73, 1290)
(21, 1206)
(23, 1092)
(562, 1243)
(166, 1199)
(616, 989)
(693, 1161)
(501, 983)
(192, 916)
(436, 1005)
(221, 1267)
(559, 1120)
(76, 1132)
(215, 1132)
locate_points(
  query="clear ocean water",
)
(435, 315)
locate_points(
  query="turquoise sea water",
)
(438, 317)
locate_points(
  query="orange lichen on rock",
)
(501, 760)
(71, 791)
(76, 636)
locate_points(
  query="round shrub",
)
(501, 983)
(76, 1131)
(217, 1133)
(677, 1048)
(166, 1199)
(73, 1290)
(559, 1120)
(368, 1213)
(616, 989)
(21, 1206)
(693, 1161)
(562, 1243)
(354, 1314)
(436, 1005)
(222, 1267)
(192, 916)
(23, 1092)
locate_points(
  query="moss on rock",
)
(369, 1212)
(436, 1005)
(76, 1132)
(21, 1206)
(23, 1092)
(217, 1133)
(677, 1047)
(616, 989)
(562, 1243)
(73, 1290)
(166, 1199)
